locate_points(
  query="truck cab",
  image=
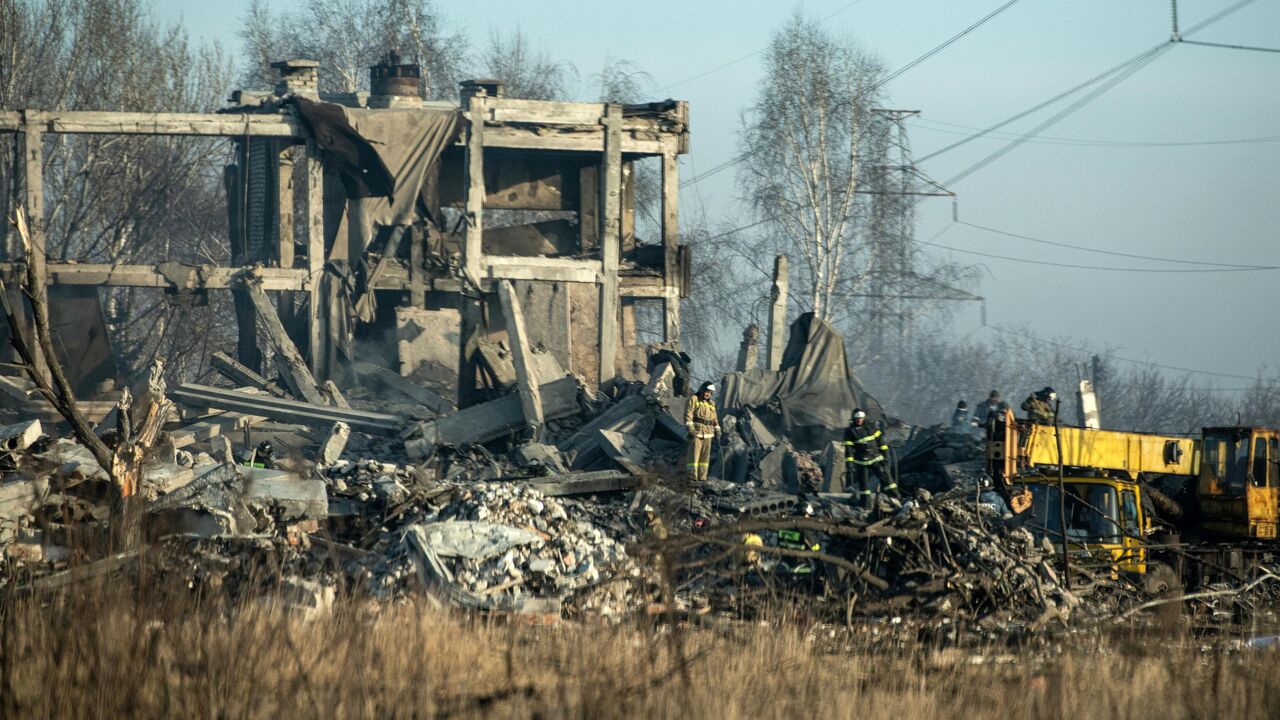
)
(1238, 483)
(1105, 515)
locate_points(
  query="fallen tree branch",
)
(59, 392)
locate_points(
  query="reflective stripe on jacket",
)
(700, 418)
(863, 445)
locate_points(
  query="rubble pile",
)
(580, 515)
(954, 558)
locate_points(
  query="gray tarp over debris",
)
(409, 142)
(813, 390)
(384, 155)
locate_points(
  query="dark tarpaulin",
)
(363, 172)
(813, 391)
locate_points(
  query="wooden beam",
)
(542, 268)
(471, 307)
(122, 123)
(37, 254)
(671, 241)
(288, 360)
(610, 238)
(473, 246)
(549, 112)
(199, 277)
(317, 339)
(284, 410)
(241, 375)
(284, 223)
(284, 205)
(777, 314)
(642, 143)
(527, 379)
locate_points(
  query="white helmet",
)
(858, 414)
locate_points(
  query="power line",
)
(1231, 47)
(1098, 268)
(1112, 252)
(928, 54)
(1124, 74)
(1111, 356)
(1096, 78)
(1089, 142)
(748, 56)
(946, 44)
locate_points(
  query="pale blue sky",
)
(1214, 202)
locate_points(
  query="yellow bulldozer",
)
(1222, 524)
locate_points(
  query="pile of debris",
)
(560, 503)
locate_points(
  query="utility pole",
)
(895, 184)
(1062, 496)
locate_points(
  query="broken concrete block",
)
(628, 451)
(428, 337)
(18, 389)
(771, 468)
(833, 468)
(222, 450)
(20, 436)
(288, 495)
(540, 455)
(489, 421)
(763, 435)
(75, 461)
(20, 498)
(331, 450)
(166, 477)
(476, 540)
(584, 436)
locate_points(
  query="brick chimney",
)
(300, 77)
(394, 84)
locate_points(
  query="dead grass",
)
(109, 653)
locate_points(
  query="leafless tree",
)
(347, 36)
(802, 149)
(528, 72)
(114, 198)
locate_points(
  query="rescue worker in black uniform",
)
(864, 449)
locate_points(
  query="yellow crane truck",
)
(1225, 522)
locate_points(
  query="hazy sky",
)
(1188, 200)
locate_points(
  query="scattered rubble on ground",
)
(249, 493)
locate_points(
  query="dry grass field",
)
(103, 653)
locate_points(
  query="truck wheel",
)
(1161, 581)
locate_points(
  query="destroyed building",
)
(482, 261)
(377, 229)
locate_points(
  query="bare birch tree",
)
(347, 36)
(802, 152)
(529, 72)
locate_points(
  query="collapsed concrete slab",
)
(494, 419)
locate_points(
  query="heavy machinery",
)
(1224, 521)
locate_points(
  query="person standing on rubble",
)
(703, 423)
(960, 418)
(988, 409)
(1039, 406)
(864, 450)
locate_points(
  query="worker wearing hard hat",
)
(703, 424)
(1039, 406)
(864, 449)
